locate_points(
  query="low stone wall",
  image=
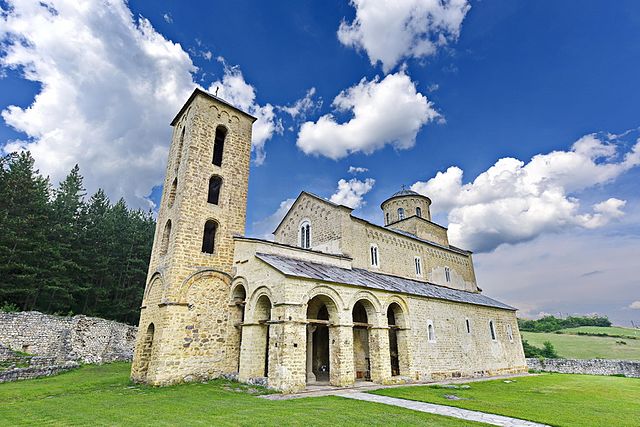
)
(628, 368)
(35, 371)
(78, 338)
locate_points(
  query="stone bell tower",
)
(186, 330)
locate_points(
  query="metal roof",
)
(368, 279)
(404, 192)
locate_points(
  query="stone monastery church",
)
(333, 300)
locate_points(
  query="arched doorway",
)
(320, 313)
(262, 315)
(361, 355)
(147, 348)
(396, 321)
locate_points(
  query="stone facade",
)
(206, 315)
(628, 368)
(187, 326)
(78, 338)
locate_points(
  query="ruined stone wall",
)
(77, 338)
(628, 368)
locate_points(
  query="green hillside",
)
(588, 347)
(616, 331)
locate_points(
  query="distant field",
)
(587, 347)
(612, 330)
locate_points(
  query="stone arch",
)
(321, 313)
(153, 293)
(146, 351)
(236, 284)
(328, 292)
(208, 273)
(251, 315)
(403, 320)
(397, 319)
(372, 305)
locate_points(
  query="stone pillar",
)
(252, 351)
(404, 352)
(341, 355)
(379, 354)
(311, 377)
(287, 362)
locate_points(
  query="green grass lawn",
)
(555, 399)
(586, 347)
(616, 331)
(102, 395)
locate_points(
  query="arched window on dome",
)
(418, 212)
(387, 218)
(400, 214)
(305, 235)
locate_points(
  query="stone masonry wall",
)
(628, 368)
(78, 338)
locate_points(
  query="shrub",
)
(8, 307)
(548, 351)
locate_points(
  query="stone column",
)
(341, 355)
(404, 352)
(311, 377)
(379, 354)
(287, 361)
(252, 351)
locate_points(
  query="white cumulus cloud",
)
(391, 30)
(635, 305)
(303, 106)
(388, 111)
(264, 228)
(351, 193)
(110, 85)
(357, 169)
(234, 89)
(514, 201)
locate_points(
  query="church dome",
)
(404, 192)
(404, 204)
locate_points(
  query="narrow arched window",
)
(510, 333)
(492, 330)
(166, 235)
(172, 192)
(418, 264)
(179, 153)
(215, 184)
(468, 324)
(305, 235)
(209, 237)
(388, 218)
(375, 262)
(447, 274)
(431, 332)
(418, 212)
(400, 214)
(218, 145)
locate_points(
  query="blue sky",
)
(499, 80)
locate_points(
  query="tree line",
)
(552, 323)
(62, 253)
